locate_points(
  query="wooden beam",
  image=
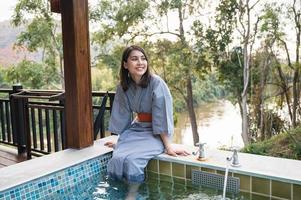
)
(77, 72)
(55, 6)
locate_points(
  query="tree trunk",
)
(245, 122)
(296, 81)
(295, 97)
(285, 90)
(189, 99)
(192, 117)
(261, 132)
(245, 119)
(263, 79)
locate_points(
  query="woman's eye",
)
(137, 58)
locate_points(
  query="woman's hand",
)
(171, 149)
(110, 144)
(175, 151)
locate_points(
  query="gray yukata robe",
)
(138, 142)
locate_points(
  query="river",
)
(219, 125)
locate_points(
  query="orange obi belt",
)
(144, 117)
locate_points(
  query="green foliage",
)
(110, 59)
(102, 79)
(36, 35)
(231, 74)
(208, 89)
(31, 75)
(286, 144)
(271, 27)
(214, 45)
(117, 17)
(274, 30)
(41, 34)
(221, 35)
(272, 124)
(3, 83)
(165, 6)
(295, 138)
(33, 7)
(270, 18)
(166, 60)
(176, 61)
(260, 148)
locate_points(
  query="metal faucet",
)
(201, 151)
(234, 158)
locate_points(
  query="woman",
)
(148, 134)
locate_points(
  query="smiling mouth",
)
(140, 68)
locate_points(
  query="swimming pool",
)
(80, 174)
(102, 188)
(88, 180)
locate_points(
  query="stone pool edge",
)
(252, 166)
(29, 170)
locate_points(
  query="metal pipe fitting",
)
(201, 151)
(234, 159)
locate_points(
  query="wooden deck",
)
(9, 156)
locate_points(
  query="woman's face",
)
(136, 64)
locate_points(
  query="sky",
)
(6, 9)
(7, 6)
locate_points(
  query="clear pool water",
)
(100, 188)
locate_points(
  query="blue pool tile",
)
(59, 182)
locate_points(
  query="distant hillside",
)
(8, 33)
(8, 36)
(10, 56)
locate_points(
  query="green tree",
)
(231, 75)
(109, 58)
(233, 15)
(267, 89)
(102, 79)
(3, 83)
(273, 28)
(42, 32)
(143, 20)
(30, 74)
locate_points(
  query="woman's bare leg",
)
(133, 191)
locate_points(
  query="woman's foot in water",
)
(133, 191)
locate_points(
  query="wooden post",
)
(78, 89)
(17, 119)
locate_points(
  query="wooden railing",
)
(34, 120)
(6, 136)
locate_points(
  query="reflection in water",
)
(219, 125)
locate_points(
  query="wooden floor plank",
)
(7, 162)
(9, 156)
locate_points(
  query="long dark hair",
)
(125, 78)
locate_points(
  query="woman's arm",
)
(169, 149)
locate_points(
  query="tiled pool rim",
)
(60, 182)
(267, 177)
